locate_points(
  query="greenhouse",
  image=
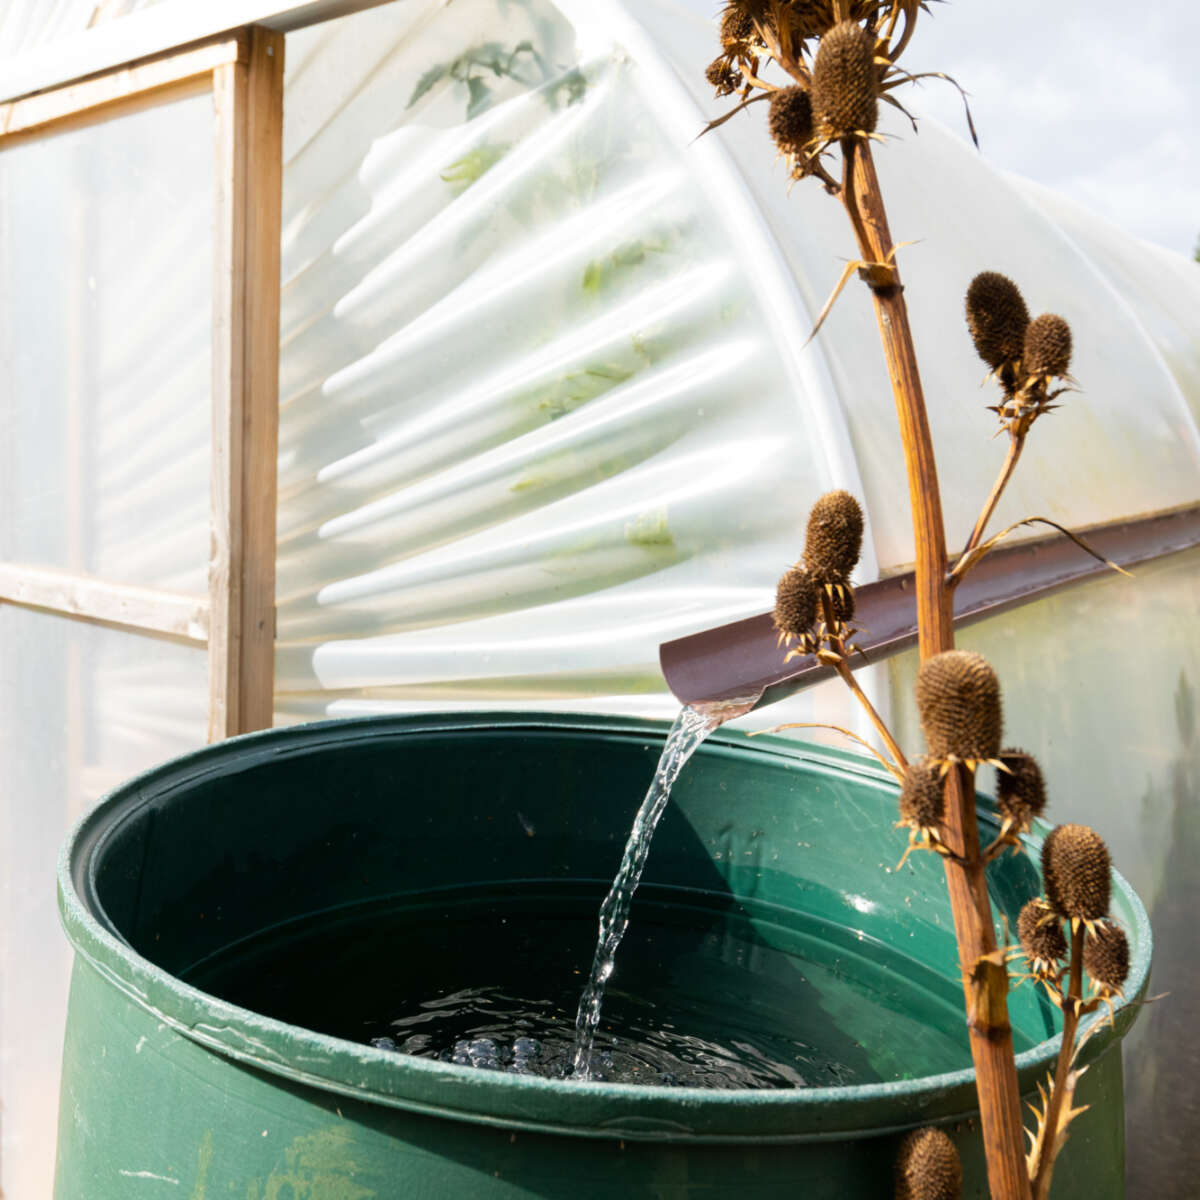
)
(371, 360)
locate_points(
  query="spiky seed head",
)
(791, 120)
(737, 27)
(748, 10)
(997, 318)
(1106, 956)
(928, 1167)
(1021, 790)
(844, 82)
(810, 18)
(724, 76)
(842, 604)
(834, 537)
(958, 698)
(1041, 935)
(796, 600)
(1075, 871)
(922, 795)
(1047, 347)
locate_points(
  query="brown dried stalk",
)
(1015, 446)
(985, 980)
(837, 658)
(965, 563)
(985, 977)
(1049, 1134)
(891, 767)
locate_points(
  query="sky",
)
(1099, 101)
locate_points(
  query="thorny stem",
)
(890, 766)
(1072, 1003)
(848, 197)
(999, 843)
(1015, 446)
(843, 669)
(985, 980)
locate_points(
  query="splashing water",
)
(690, 729)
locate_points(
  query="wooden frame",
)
(236, 620)
(123, 605)
(140, 79)
(248, 101)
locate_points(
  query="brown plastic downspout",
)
(740, 666)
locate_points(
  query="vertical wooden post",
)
(248, 108)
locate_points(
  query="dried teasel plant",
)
(1029, 358)
(841, 61)
(814, 602)
(1062, 934)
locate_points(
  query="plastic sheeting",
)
(26, 24)
(546, 398)
(1126, 444)
(105, 236)
(541, 409)
(82, 708)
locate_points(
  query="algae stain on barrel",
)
(316, 1166)
(204, 1158)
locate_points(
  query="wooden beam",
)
(248, 103)
(141, 609)
(139, 79)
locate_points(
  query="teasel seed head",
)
(928, 1167)
(1047, 346)
(724, 76)
(737, 27)
(1106, 956)
(1075, 871)
(922, 795)
(796, 600)
(834, 537)
(997, 318)
(958, 698)
(810, 18)
(1042, 938)
(1021, 790)
(791, 120)
(844, 82)
(841, 601)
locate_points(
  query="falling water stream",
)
(690, 729)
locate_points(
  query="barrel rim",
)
(531, 1103)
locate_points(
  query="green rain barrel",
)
(241, 915)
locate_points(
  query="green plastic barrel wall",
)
(278, 847)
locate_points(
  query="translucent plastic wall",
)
(1126, 444)
(28, 24)
(107, 364)
(105, 236)
(541, 406)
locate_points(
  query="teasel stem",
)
(984, 976)
(1015, 446)
(1072, 1004)
(843, 669)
